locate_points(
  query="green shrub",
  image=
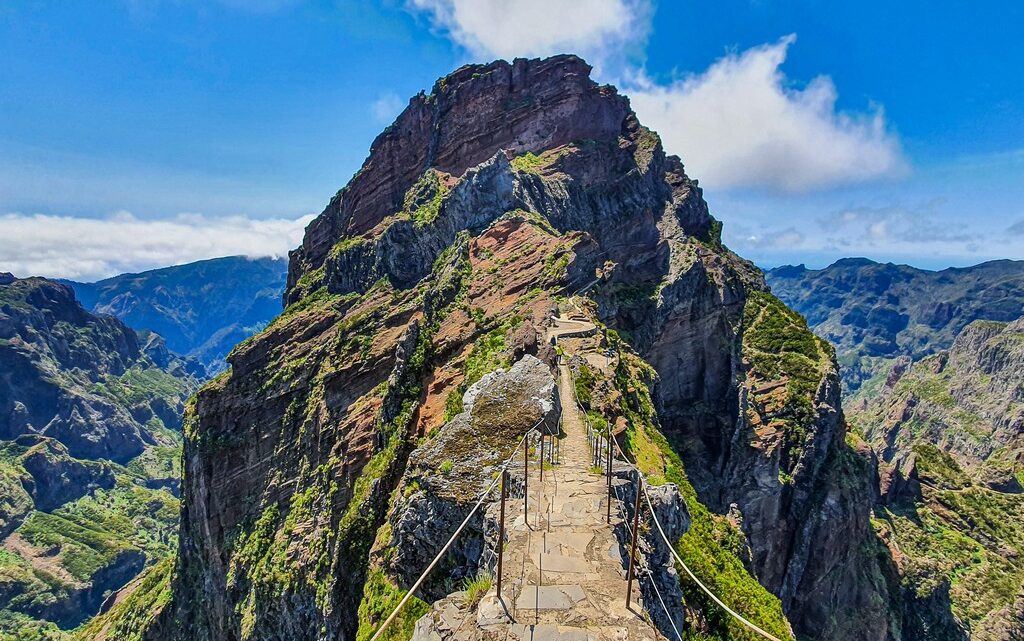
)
(584, 385)
(423, 200)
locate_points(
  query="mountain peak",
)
(854, 261)
(472, 113)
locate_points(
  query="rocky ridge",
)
(505, 190)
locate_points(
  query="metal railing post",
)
(526, 480)
(540, 460)
(501, 528)
(609, 481)
(632, 551)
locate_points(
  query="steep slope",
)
(202, 309)
(873, 312)
(89, 413)
(950, 432)
(507, 189)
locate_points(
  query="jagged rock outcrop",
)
(506, 187)
(445, 476)
(654, 559)
(469, 115)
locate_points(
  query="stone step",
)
(551, 632)
(563, 564)
(566, 541)
(550, 597)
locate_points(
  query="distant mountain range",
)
(874, 311)
(91, 398)
(201, 309)
(90, 445)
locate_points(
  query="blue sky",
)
(139, 133)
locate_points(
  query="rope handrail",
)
(462, 526)
(739, 617)
(654, 517)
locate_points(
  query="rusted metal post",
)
(609, 479)
(526, 479)
(541, 459)
(632, 551)
(501, 527)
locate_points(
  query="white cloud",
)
(94, 248)
(386, 107)
(739, 124)
(599, 30)
(788, 238)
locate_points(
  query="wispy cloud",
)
(787, 238)
(928, 233)
(740, 125)
(386, 107)
(1016, 229)
(93, 248)
(919, 223)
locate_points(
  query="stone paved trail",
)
(564, 575)
(571, 582)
